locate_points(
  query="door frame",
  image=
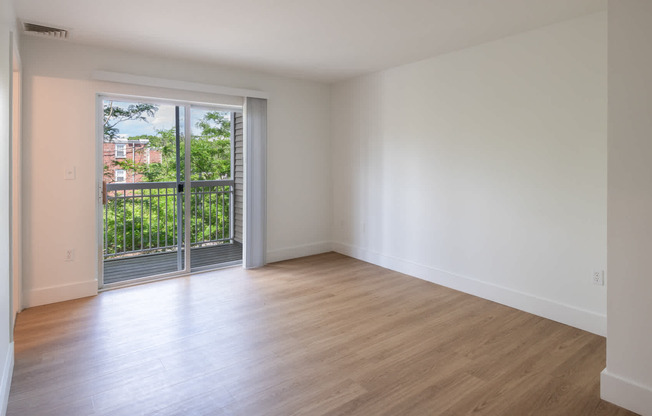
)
(99, 171)
(15, 184)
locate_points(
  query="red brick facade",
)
(122, 150)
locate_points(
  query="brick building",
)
(123, 149)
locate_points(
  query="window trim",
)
(124, 175)
(124, 151)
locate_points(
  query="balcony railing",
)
(142, 217)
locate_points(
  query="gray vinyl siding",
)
(238, 177)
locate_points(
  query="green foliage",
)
(214, 124)
(137, 220)
(146, 220)
(134, 223)
(210, 152)
(130, 165)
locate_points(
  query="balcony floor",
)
(128, 268)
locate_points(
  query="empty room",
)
(424, 207)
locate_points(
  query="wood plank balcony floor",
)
(127, 268)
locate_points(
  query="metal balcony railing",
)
(142, 217)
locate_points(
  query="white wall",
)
(6, 65)
(627, 380)
(483, 170)
(59, 130)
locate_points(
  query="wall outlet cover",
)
(598, 278)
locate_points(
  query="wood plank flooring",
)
(321, 335)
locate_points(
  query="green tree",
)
(153, 219)
(214, 124)
(210, 152)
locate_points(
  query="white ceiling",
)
(323, 40)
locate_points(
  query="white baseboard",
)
(5, 383)
(587, 320)
(52, 294)
(625, 393)
(298, 251)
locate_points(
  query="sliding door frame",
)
(184, 106)
(15, 184)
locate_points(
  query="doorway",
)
(167, 211)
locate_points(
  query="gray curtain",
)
(255, 224)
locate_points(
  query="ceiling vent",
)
(47, 31)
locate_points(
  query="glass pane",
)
(212, 190)
(141, 211)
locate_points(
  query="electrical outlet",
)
(69, 255)
(598, 278)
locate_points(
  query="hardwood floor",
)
(321, 335)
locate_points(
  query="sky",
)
(163, 120)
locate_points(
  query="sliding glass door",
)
(212, 196)
(166, 211)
